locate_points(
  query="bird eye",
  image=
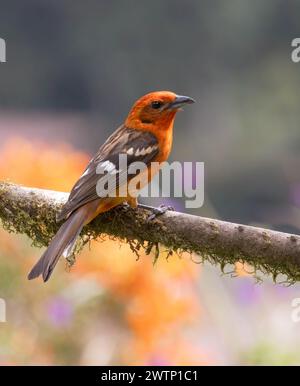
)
(156, 104)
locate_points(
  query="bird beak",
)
(180, 101)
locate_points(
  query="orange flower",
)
(158, 303)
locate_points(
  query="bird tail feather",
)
(63, 243)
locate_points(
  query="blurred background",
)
(73, 70)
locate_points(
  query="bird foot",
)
(156, 212)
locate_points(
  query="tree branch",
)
(32, 211)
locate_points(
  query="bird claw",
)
(156, 212)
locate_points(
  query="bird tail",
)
(62, 244)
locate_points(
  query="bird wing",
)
(138, 145)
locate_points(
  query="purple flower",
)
(59, 312)
(248, 292)
(295, 194)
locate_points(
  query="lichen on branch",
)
(33, 211)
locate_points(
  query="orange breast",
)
(165, 146)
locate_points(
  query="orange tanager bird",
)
(145, 136)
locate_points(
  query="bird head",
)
(156, 109)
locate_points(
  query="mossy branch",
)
(32, 212)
